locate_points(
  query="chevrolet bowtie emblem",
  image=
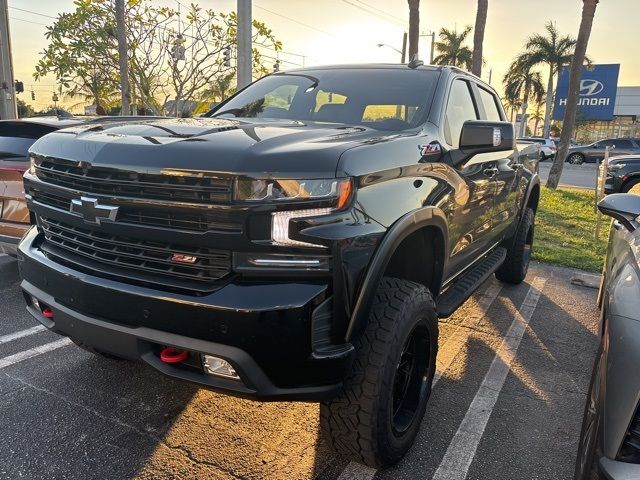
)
(92, 212)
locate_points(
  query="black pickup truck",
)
(298, 242)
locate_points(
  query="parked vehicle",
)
(609, 444)
(298, 243)
(594, 153)
(16, 136)
(548, 147)
(623, 173)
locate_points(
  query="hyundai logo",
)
(89, 209)
(589, 87)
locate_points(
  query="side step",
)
(462, 289)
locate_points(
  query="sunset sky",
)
(336, 31)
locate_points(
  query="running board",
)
(464, 287)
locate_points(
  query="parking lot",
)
(513, 370)
(581, 176)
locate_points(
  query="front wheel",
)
(376, 417)
(516, 265)
(576, 159)
(589, 443)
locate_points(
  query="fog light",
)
(218, 366)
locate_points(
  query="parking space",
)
(513, 369)
(577, 176)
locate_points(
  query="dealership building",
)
(604, 108)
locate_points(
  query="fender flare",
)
(401, 229)
(535, 180)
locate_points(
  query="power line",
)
(403, 21)
(31, 12)
(294, 20)
(360, 7)
(28, 21)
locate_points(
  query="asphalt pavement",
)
(581, 176)
(513, 370)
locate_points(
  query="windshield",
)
(381, 98)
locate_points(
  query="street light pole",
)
(244, 43)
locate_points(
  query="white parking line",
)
(449, 351)
(22, 333)
(462, 449)
(32, 352)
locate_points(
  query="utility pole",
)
(123, 60)
(8, 108)
(404, 47)
(244, 70)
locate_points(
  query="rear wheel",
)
(575, 159)
(516, 265)
(376, 417)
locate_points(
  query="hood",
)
(251, 147)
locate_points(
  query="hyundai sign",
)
(598, 88)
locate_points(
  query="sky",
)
(321, 32)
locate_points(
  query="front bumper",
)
(263, 329)
(619, 470)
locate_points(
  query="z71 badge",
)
(429, 150)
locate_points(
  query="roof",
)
(52, 120)
(346, 66)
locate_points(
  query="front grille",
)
(630, 450)
(134, 259)
(124, 183)
(152, 217)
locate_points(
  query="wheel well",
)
(534, 198)
(628, 181)
(419, 258)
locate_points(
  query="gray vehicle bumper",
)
(619, 470)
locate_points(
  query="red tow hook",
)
(171, 355)
(47, 313)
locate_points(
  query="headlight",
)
(250, 190)
(32, 166)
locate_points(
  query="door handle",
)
(490, 172)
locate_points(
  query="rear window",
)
(382, 98)
(17, 137)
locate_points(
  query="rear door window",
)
(489, 102)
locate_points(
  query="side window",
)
(604, 143)
(626, 144)
(277, 102)
(324, 98)
(490, 106)
(460, 108)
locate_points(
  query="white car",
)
(548, 147)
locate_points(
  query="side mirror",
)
(624, 207)
(479, 136)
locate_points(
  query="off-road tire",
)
(95, 351)
(515, 267)
(360, 422)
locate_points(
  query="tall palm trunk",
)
(569, 120)
(414, 28)
(535, 127)
(478, 37)
(547, 106)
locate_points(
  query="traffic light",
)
(54, 97)
(19, 86)
(226, 56)
(276, 66)
(33, 95)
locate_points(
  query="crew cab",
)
(299, 242)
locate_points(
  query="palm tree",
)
(568, 123)
(414, 28)
(451, 49)
(537, 116)
(552, 50)
(478, 37)
(524, 84)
